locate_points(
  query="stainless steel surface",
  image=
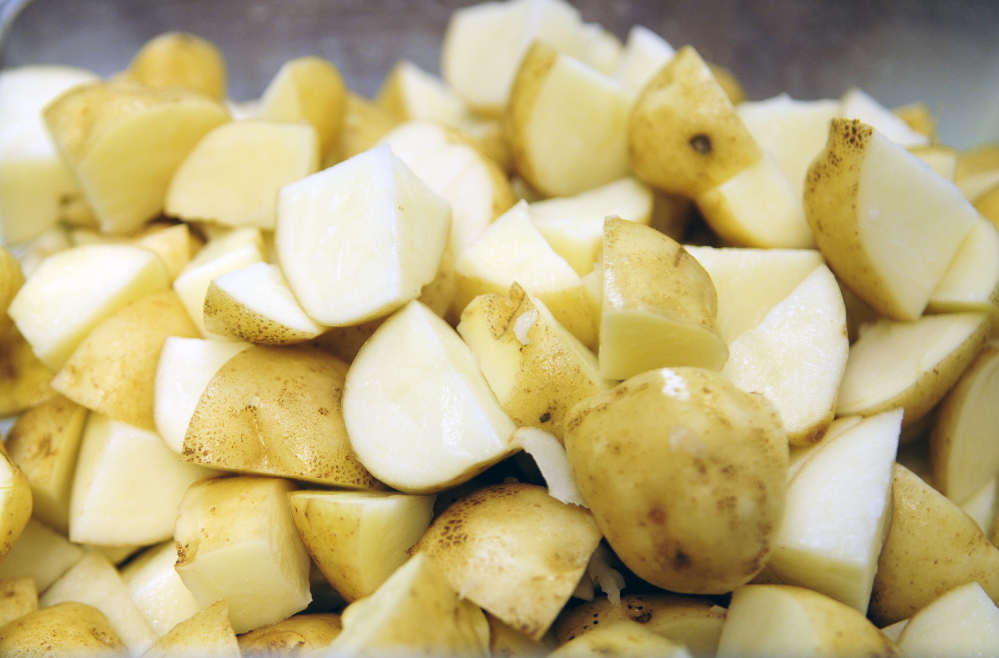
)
(945, 53)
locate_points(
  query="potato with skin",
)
(180, 59)
(659, 305)
(205, 633)
(15, 503)
(684, 135)
(622, 638)
(291, 428)
(11, 280)
(41, 553)
(157, 590)
(63, 629)
(18, 597)
(491, 547)
(536, 368)
(308, 89)
(686, 476)
(932, 546)
(964, 621)
(113, 370)
(295, 636)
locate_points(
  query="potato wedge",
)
(180, 59)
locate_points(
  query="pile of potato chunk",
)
(571, 351)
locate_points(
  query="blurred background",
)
(945, 52)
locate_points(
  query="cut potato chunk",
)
(113, 371)
(44, 443)
(488, 547)
(24, 380)
(536, 368)
(73, 290)
(484, 45)
(659, 305)
(983, 504)
(64, 629)
(941, 159)
(185, 368)
(857, 104)
(95, 582)
(419, 413)
(512, 250)
(34, 180)
(359, 539)
(684, 135)
(409, 93)
(886, 223)
(964, 621)
(127, 485)
(206, 633)
(780, 620)
(561, 112)
(796, 356)
(255, 304)
(301, 633)
(235, 172)
(41, 553)
(965, 436)
(971, 283)
(276, 411)
(414, 610)
(15, 503)
(360, 239)
(932, 547)
(308, 89)
(909, 364)
(157, 590)
(623, 637)
(124, 142)
(834, 526)
(180, 59)
(17, 597)
(236, 541)
(644, 54)
(574, 226)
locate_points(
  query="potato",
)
(856, 104)
(11, 280)
(15, 503)
(308, 89)
(180, 59)
(964, 620)
(488, 548)
(294, 636)
(625, 638)
(206, 633)
(59, 630)
(706, 469)
(295, 429)
(157, 589)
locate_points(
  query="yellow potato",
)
(180, 59)
(685, 474)
(207, 633)
(61, 629)
(293, 636)
(24, 379)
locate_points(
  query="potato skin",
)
(64, 629)
(685, 475)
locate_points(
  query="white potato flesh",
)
(234, 173)
(645, 52)
(360, 239)
(983, 504)
(186, 366)
(157, 590)
(73, 290)
(962, 622)
(33, 177)
(837, 507)
(41, 553)
(971, 282)
(127, 485)
(419, 413)
(574, 226)
(796, 356)
(484, 44)
(857, 104)
(93, 580)
(411, 93)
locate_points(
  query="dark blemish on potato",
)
(701, 143)
(681, 560)
(657, 515)
(642, 618)
(545, 417)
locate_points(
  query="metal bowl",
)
(945, 53)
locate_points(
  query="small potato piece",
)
(685, 474)
(44, 443)
(488, 547)
(180, 59)
(65, 629)
(971, 283)
(622, 638)
(40, 553)
(932, 546)
(206, 633)
(962, 622)
(113, 370)
(684, 135)
(659, 305)
(295, 636)
(781, 620)
(309, 89)
(15, 503)
(291, 428)
(878, 214)
(364, 123)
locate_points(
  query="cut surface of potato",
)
(964, 621)
(624, 637)
(358, 539)
(124, 142)
(361, 239)
(17, 597)
(41, 553)
(15, 503)
(878, 216)
(157, 590)
(644, 53)
(419, 413)
(308, 89)
(488, 547)
(971, 283)
(235, 172)
(73, 290)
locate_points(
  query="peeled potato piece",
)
(41, 553)
(180, 59)
(644, 53)
(409, 93)
(857, 104)
(205, 633)
(502, 563)
(971, 283)
(964, 621)
(623, 637)
(659, 305)
(17, 597)
(255, 304)
(297, 634)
